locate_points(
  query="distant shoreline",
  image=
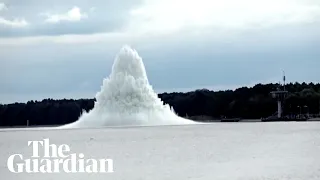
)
(200, 121)
(244, 104)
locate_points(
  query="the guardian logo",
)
(56, 158)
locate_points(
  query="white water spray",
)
(127, 98)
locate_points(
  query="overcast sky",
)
(64, 49)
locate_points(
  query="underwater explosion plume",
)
(127, 98)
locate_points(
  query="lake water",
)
(216, 151)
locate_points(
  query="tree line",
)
(245, 102)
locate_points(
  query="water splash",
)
(127, 98)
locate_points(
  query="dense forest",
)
(245, 102)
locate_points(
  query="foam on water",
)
(127, 98)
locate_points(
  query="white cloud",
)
(15, 23)
(189, 21)
(3, 7)
(72, 15)
(176, 15)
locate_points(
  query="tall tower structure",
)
(280, 95)
(284, 80)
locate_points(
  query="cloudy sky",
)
(64, 49)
